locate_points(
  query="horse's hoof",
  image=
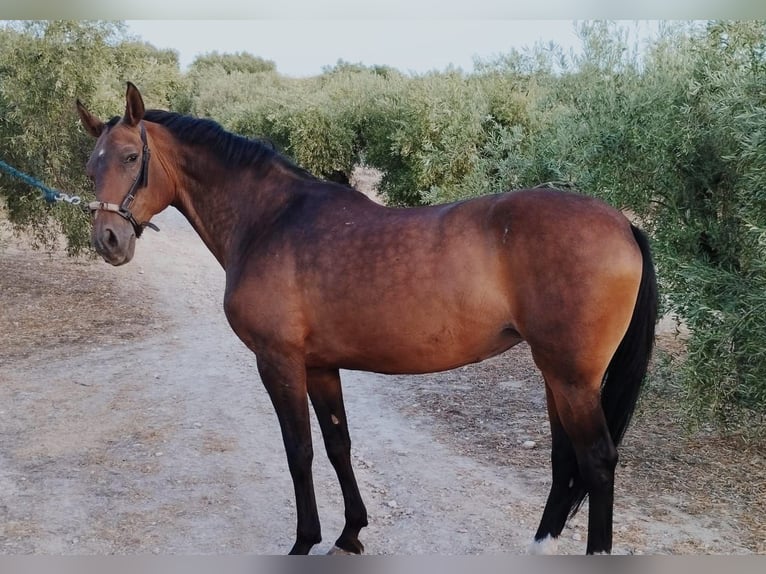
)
(548, 545)
(335, 551)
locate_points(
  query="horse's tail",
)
(627, 369)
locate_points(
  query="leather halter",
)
(141, 181)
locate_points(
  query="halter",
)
(141, 180)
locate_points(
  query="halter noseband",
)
(142, 180)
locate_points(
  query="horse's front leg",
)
(284, 377)
(325, 392)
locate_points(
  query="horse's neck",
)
(210, 227)
(220, 210)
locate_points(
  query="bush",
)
(425, 135)
(45, 67)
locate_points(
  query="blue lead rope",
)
(50, 195)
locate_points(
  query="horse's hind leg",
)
(578, 411)
(326, 395)
(566, 489)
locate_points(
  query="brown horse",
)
(319, 278)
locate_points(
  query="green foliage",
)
(229, 63)
(712, 236)
(44, 68)
(318, 122)
(437, 131)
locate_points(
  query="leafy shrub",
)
(45, 67)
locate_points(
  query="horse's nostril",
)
(111, 238)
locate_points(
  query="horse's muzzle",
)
(116, 245)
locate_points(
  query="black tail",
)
(627, 369)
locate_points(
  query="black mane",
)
(233, 150)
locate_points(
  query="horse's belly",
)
(415, 350)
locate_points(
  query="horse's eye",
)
(131, 158)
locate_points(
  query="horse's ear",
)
(91, 123)
(134, 106)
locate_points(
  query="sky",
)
(303, 47)
(304, 36)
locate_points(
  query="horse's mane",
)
(233, 150)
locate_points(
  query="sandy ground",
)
(132, 421)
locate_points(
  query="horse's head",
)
(130, 187)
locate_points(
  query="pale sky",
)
(303, 47)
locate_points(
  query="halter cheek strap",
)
(141, 180)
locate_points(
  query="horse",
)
(321, 278)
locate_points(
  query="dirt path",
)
(132, 421)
